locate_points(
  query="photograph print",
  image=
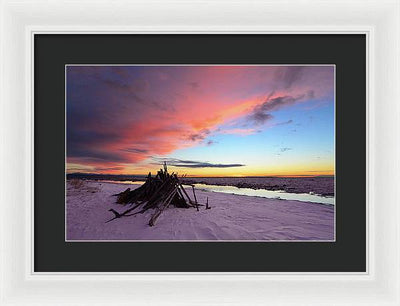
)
(200, 153)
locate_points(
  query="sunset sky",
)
(202, 120)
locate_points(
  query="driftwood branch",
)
(207, 207)
(156, 193)
(195, 199)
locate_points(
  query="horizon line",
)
(276, 175)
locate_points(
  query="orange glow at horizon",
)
(292, 171)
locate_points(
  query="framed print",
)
(174, 114)
(159, 148)
(126, 120)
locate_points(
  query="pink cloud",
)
(119, 117)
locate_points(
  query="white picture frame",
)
(379, 20)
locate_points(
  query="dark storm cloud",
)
(192, 164)
(259, 117)
(277, 103)
(104, 106)
(199, 136)
(96, 155)
(261, 112)
(291, 75)
(88, 137)
(135, 150)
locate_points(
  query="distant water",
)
(317, 185)
(270, 194)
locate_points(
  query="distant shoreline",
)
(319, 185)
(128, 177)
(273, 184)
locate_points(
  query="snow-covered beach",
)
(232, 217)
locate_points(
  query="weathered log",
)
(116, 214)
(181, 195)
(166, 203)
(123, 196)
(207, 207)
(184, 191)
(195, 199)
(123, 214)
(156, 196)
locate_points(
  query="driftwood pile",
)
(156, 193)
